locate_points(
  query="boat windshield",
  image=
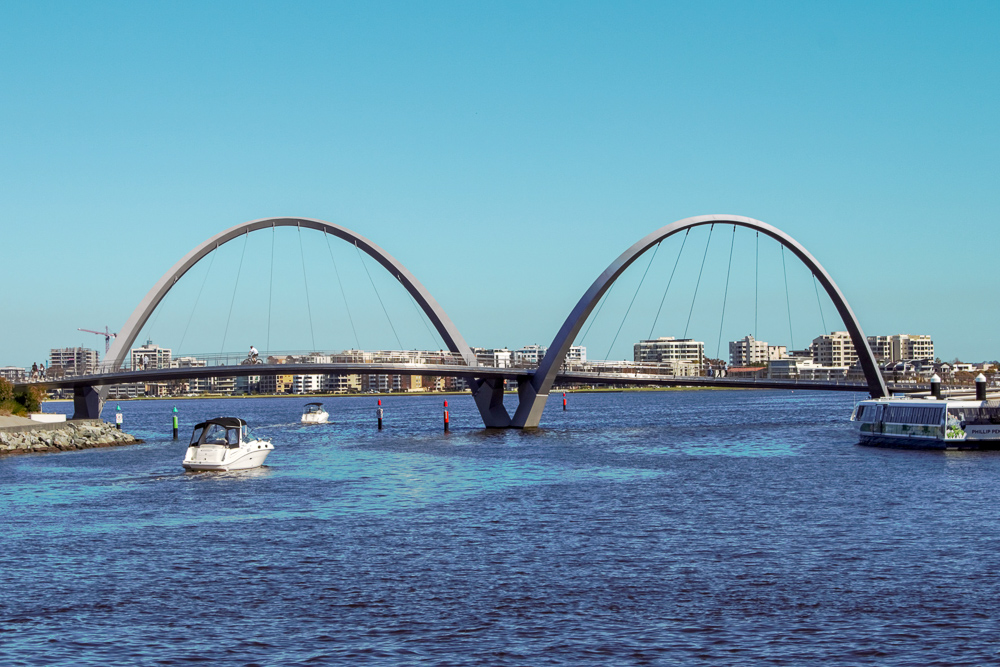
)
(314, 407)
(216, 434)
(196, 436)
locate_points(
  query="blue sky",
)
(506, 153)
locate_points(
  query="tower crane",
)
(107, 336)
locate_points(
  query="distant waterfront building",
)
(342, 384)
(149, 356)
(307, 384)
(577, 354)
(834, 349)
(749, 352)
(529, 355)
(901, 347)
(668, 349)
(496, 358)
(14, 373)
(73, 360)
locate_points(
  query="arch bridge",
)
(486, 383)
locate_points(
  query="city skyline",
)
(548, 137)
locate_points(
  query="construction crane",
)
(107, 336)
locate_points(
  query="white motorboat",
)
(315, 414)
(224, 444)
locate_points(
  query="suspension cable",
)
(270, 290)
(302, 254)
(690, 312)
(239, 269)
(674, 270)
(600, 306)
(615, 339)
(342, 292)
(421, 315)
(377, 295)
(788, 302)
(820, 304)
(756, 279)
(725, 294)
(195, 306)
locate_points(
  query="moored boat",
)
(224, 444)
(313, 413)
(930, 423)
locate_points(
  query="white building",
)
(14, 373)
(529, 355)
(901, 347)
(668, 349)
(834, 349)
(307, 384)
(493, 357)
(73, 360)
(804, 369)
(748, 351)
(577, 354)
(149, 356)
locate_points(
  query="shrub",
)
(30, 399)
(6, 390)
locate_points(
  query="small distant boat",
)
(315, 414)
(224, 444)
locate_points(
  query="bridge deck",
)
(448, 370)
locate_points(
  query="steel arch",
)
(85, 404)
(532, 395)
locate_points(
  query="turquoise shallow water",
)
(637, 528)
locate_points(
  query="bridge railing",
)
(272, 361)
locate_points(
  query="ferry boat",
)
(224, 444)
(313, 413)
(929, 423)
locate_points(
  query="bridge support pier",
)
(530, 405)
(87, 402)
(488, 394)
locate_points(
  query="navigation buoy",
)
(175, 422)
(446, 416)
(378, 413)
(118, 416)
(564, 401)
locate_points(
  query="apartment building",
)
(901, 347)
(834, 349)
(149, 355)
(748, 351)
(73, 360)
(668, 349)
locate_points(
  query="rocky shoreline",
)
(62, 437)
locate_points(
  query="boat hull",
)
(902, 442)
(223, 459)
(316, 418)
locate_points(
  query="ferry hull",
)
(902, 442)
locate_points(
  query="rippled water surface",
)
(638, 528)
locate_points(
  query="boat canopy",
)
(313, 407)
(219, 431)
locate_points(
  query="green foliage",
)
(30, 398)
(6, 391)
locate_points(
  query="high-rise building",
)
(748, 351)
(901, 347)
(834, 349)
(73, 360)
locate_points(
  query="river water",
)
(714, 527)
